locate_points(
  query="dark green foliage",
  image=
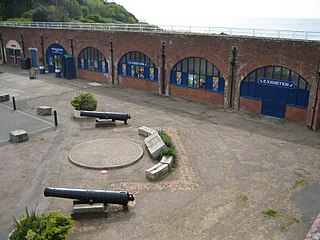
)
(84, 101)
(65, 10)
(53, 225)
(170, 150)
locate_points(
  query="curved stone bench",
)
(155, 144)
(44, 110)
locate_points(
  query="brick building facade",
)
(234, 57)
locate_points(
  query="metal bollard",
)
(55, 118)
(14, 103)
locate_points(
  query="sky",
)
(204, 12)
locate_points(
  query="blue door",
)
(274, 101)
(33, 53)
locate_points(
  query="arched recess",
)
(54, 56)
(91, 59)
(276, 88)
(199, 73)
(137, 65)
(14, 51)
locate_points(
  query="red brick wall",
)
(197, 95)
(94, 76)
(139, 84)
(298, 55)
(296, 114)
(250, 105)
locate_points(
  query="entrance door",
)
(274, 101)
(33, 53)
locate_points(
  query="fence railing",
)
(303, 35)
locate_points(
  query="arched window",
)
(137, 65)
(92, 59)
(198, 73)
(262, 81)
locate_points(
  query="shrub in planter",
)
(170, 150)
(84, 101)
(52, 225)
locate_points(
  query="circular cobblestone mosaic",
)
(106, 153)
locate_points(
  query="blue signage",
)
(137, 63)
(275, 83)
(55, 50)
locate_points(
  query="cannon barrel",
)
(91, 196)
(106, 115)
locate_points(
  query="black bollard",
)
(55, 118)
(14, 103)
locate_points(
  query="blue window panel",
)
(302, 98)
(99, 66)
(173, 79)
(156, 74)
(208, 83)
(184, 81)
(221, 85)
(292, 96)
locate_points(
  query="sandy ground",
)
(231, 166)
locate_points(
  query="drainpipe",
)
(2, 49)
(112, 60)
(233, 68)
(22, 43)
(163, 69)
(316, 98)
(71, 44)
(42, 51)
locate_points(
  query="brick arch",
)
(139, 52)
(252, 65)
(195, 56)
(215, 60)
(90, 46)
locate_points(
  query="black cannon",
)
(107, 115)
(90, 196)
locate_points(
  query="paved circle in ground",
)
(106, 153)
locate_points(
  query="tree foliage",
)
(64, 11)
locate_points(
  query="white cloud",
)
(205, 12)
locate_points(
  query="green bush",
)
(84, 101)
(53, 225)
(170, 150)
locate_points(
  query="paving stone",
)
(44, 110)
(19, 136)
(154, 145)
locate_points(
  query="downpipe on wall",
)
(233, 68)
(163, 85)
(316, 98)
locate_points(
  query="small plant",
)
(170, 150)
(84, 101)
(52, 225)
(271, 213)
(300, 184)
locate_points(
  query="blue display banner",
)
(142, 64)
(55, 50)
(275, 83)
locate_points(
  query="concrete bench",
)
(154, 144)
(167, 160)
(104, 123)
(145, 131)
(4, 97)
(157, 171)
(44, 110)
(18, 136)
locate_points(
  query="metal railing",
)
(288, 34)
